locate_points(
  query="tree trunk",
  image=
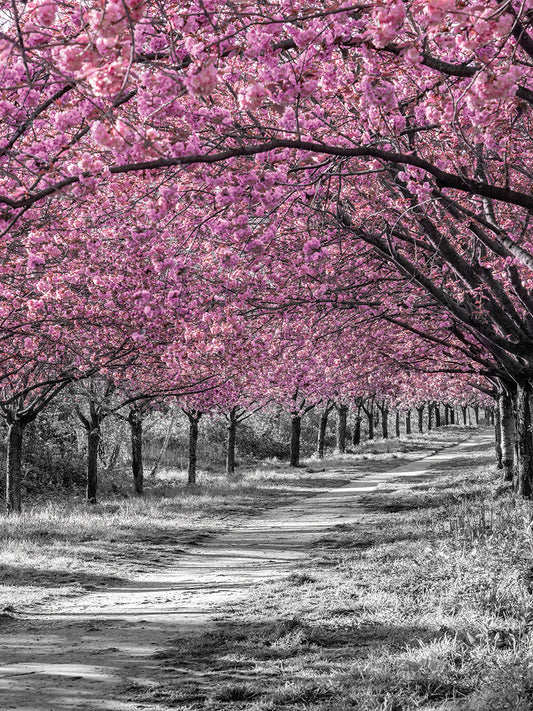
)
(296, 429)
(452, 416)
(465, 414)
(498, 437)
(14, 466)
(476, 413)
(507, 425)
(194, 418)
(232, 438)
(397, 422)
(430, 416)
(446, 414)
(420, 411)
(385, 422)
(370, 416)
(408, 422)
(135, 419)
(437, 415)
(524, 440)
(93, 440)
(322, 426)
(341, 428)
(356, 436)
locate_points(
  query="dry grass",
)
(428, 606)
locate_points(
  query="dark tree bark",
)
(369, 411)
(194, 417)
(18, 414)
(135, 418)
(236, 415)
(231, 441)
(408, 422)
(385, 422)
(17, 424)
(92, 423)
(476, 414)
(524, 441)
(299, 409)
(341, 428)
(498, 438)
(397, 423)
(93, 440)
(452, 416)
(507, 425)
(92, 427)
(446, 414)
(437, 414)
(356, 435)
(14, 466)
(420, 411)
(464, 408)
(384, 413)
(322, 427)
(296, 430)
(430, 416)
(370, 417)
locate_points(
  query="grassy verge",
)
(64, 547)
(429, 605)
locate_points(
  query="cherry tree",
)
(297, 136)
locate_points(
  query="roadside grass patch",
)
(427, 605)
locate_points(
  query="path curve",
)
(78, 653)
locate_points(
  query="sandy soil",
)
(83, 653)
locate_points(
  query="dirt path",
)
(80, 653)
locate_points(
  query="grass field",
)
(429, 605)
(64, 548)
